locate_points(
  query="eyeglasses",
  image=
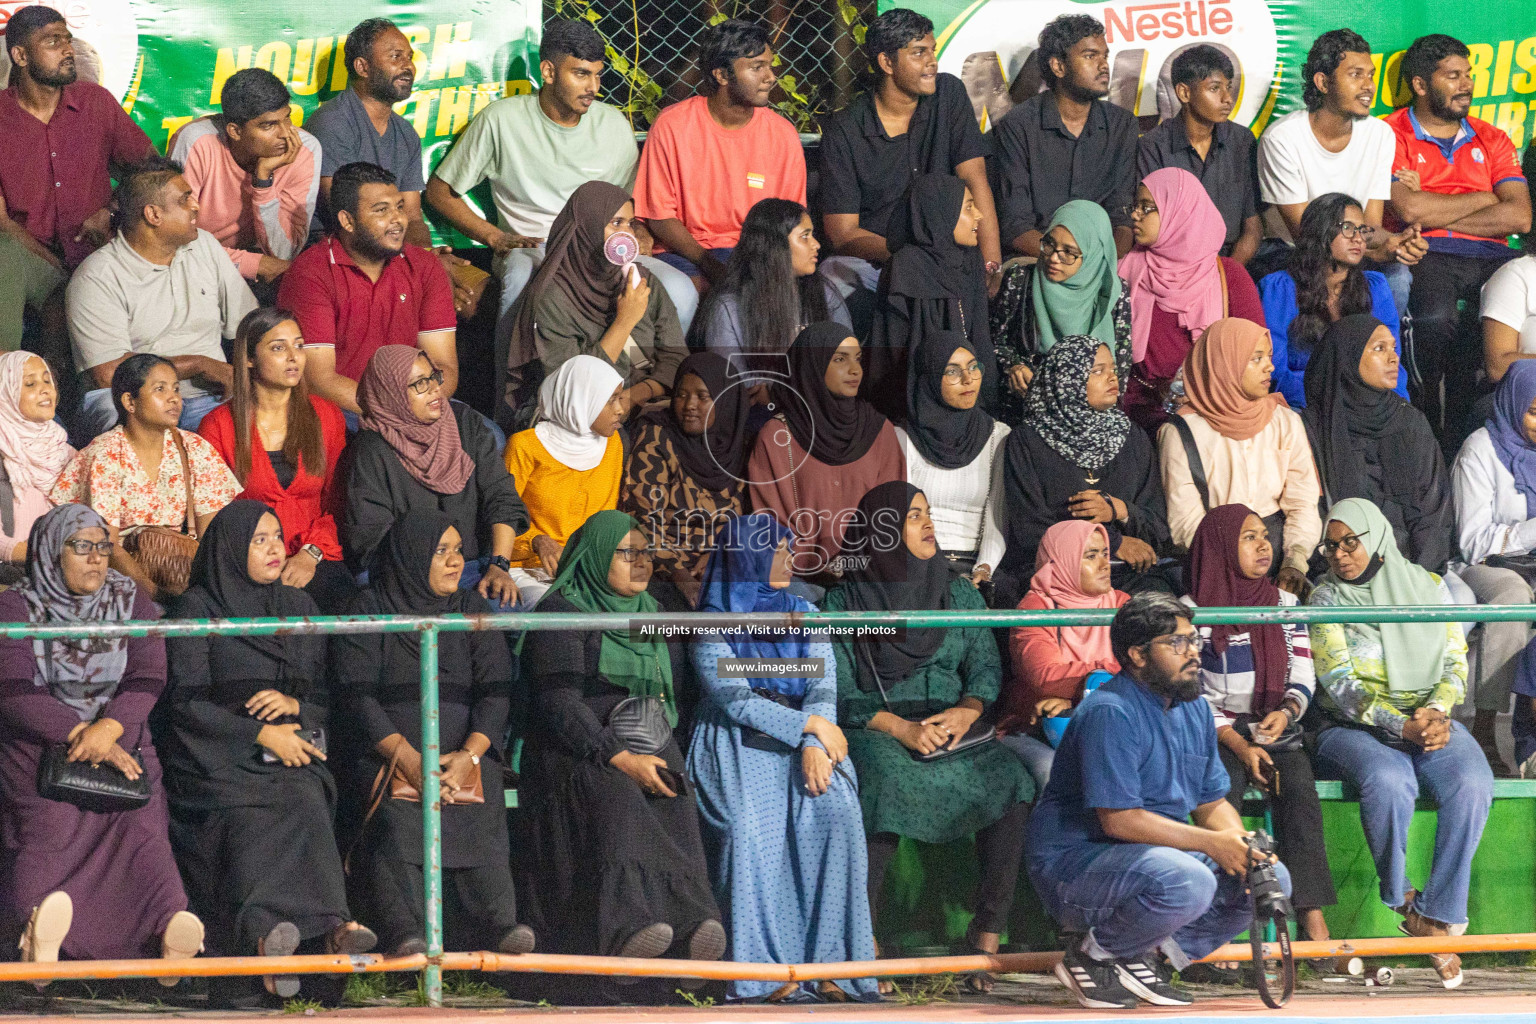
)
(1349, 545)
(421, 385)
(1049, 250)
(87, 547)
(633, 555)
(1351, 230)
(953, 372)
(1145, 207)
(1181, 643)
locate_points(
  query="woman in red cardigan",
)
(293, 467)
(1051, 664)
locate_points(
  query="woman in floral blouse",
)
(132, 475)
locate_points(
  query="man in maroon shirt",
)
(59, 142)
(363, 287)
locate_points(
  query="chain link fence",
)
(653, 50)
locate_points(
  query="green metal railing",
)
(431, 627)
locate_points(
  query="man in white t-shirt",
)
(1335, 145)
(1509, 316)
(535, 150)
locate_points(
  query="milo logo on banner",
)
(106, 39)
(991, 47)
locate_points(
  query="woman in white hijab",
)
(567, 466)
(33, 449)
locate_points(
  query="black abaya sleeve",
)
(1146, 509)
(370, 508)
(1029, 511)
(1430, 517)
(213, 735)
(557, 666)
(357, 659)
(885, 359)
(490, 692)
(499, 500)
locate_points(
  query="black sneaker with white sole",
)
(1150, 979)
(1095, 983)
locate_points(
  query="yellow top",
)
(559, 498)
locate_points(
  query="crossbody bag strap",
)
(7, 502)
(1226, 298)
(1192, 453)
(794, 488)
(186, 479)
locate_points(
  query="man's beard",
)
(1441, 108)
(55, 80)
(385, 91)
(372, 247)
(1176, 690)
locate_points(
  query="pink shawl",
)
(1179, 271)
(34, 453)
(1058, 582)
(430, 452)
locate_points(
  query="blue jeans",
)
(687, 266)
(1037, 755)
(1388, 780)
(98, 415)
(1400, 279)
(1133, 897)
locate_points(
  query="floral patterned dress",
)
(108, 476)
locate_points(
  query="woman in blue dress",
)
(778, 798)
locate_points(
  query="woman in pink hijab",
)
(33, 448)
(1179, 285)
(1051, 663)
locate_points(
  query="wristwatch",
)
(313, 552)
(993, 267)
(501, 562)
(474, 759)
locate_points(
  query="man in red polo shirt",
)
(59, 141)
(1460, 179)
(363, 287)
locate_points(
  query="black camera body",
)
(1269, 899)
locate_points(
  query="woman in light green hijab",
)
(1073, 289)
(610, 850)
(1387, 691)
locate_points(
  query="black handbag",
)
(1525, 565)
(641, 724)
(101, 788)
(979, 734)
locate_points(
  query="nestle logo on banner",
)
(1167, 21)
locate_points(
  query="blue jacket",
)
(1278, 293)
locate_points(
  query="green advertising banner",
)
(990, 44)
(167, 60)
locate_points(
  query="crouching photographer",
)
(1109, 849)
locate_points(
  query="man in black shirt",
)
(913, 121)
(1066, 143)
(1201, 140)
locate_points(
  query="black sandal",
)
(978, 983)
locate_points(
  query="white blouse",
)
(966, 503)
(1490, 510)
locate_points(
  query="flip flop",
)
(282, 940)
(182, 940)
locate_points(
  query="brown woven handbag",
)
(163, 553)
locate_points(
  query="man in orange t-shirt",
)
(711, 158)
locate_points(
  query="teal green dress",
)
(954, 796)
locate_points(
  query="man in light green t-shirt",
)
(535, 150)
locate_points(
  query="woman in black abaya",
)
(936, 281)
(415, 571)
(251, 798)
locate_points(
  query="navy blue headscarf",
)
(736, 580)
(1506, 428)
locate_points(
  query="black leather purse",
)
(101, 788)
(979, 734)
(641, 724)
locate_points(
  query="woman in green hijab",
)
(1073, 289)
(1386, 692)
(611, 854)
